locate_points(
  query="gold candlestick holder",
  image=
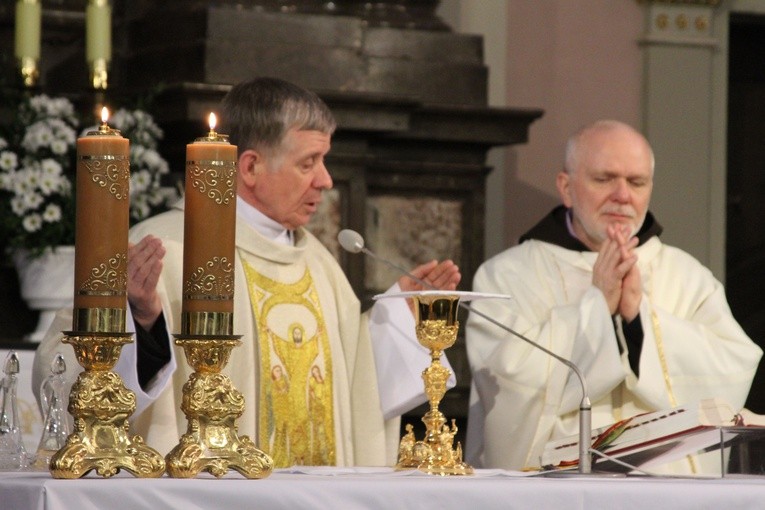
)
(99, 74)
(101, 405)
(436, 328)
(212, 405)
(29, 71)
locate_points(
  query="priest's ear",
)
(563, 183)
(251, 164)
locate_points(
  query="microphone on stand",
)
(352, 242)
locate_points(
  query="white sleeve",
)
(399, 357)
(126, 367)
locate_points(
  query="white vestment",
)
(376, 358)
(692, 348)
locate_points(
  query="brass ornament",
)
(212, 405)
(99, 74)
(99, 319)
(436, 329)
(101, 405)
(30, 72)
(207, 323)
(681, 21)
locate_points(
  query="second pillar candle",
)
(208, 236)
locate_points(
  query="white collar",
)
(264, 225)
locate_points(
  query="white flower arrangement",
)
(37, 154)
(35, 157)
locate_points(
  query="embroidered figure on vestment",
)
(296, 415)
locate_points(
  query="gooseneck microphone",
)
(352, 242)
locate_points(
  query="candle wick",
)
(212, 135)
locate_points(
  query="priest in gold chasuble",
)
(323, 383)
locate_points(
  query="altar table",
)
(376, 488)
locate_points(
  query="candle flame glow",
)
(104, 114)
(213, 121)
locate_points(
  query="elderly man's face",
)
(291, 178)
(611, 184)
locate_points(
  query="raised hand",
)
(443, 275)
(144, 268)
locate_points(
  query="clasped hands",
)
(616, 273)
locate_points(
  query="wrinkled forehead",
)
(615, 150)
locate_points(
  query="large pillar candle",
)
(208, 236)
(101, 231)
(27, 39)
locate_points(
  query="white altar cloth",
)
(375, 488)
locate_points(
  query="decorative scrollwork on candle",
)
(214, 179)
(215, 281)
(108, 279)
(110, 172)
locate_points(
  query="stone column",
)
(679, 105)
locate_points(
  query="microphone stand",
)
(585, 406)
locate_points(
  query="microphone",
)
(352, 242)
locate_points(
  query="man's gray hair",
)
(258, 114)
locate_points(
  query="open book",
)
(654, 438)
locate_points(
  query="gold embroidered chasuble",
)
(296, 406)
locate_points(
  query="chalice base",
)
(434, 466)
(434, 454)
(457, 469)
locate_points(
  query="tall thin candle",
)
(98, 30)
(27, 39)
(98, 41)
(28, 15)
(208, 239)
(101, 230)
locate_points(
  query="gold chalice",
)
(436, 329)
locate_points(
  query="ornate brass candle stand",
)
(101, 405)
(212, 405)
(437, 326)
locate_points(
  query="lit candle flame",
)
(104, 114)
(213, 121)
